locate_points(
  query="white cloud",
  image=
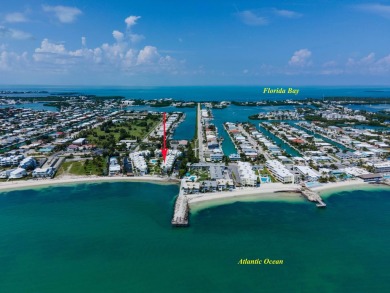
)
(117, 56)
(148, 55)
(10, 60)
(65, 14)
(287, 13)
(48, 47)
(250, 18)
(118, 36)
(131, 20)
(15, 17)
(13, 33)
(369, 65)
(300, 58)
(375, 8)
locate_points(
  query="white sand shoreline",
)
(269, 189)
(265, 191)
(23, 184)
(275, 191)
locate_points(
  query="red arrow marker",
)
(164, 150)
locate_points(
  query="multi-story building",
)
(139, 163)
(43, 172)
(28, 163)
(308, 172)
(247, 175)
(280, 172)
(382, 167)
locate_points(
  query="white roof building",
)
(79, 141)
(280, 172)
(308, 172)
(43, 172)
(139, 162)
(247, 175)
(18, 173)
(170, 159)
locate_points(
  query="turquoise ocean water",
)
(116, 237)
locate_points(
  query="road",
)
(200, 135)
(254, 143)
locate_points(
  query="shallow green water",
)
(116, 237)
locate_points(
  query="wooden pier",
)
(181, 211)
(313, 197)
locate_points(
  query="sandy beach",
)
(272, 191)
(240, 193)
(22, 184)
(265, 191)
(350, 184)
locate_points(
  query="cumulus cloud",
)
(131, 20)
(48, 47)
(15, 17)
(148, 55)
(250, 18)
(64, 14)
(117, 56)
(375, 8)
(300, 58)
(13, 33)
(118, 36)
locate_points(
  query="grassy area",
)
(155, 168)
(109, 134)
(265, 172)
(76, 168)
(87, 167)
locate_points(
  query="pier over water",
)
(181, 211)
(313, 196)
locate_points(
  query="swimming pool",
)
(265, 179)
(312, 184)
(153, 161)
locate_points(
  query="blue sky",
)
(195, 42)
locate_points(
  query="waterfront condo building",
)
(280, 172)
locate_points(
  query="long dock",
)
(181, 211)
(313, 197)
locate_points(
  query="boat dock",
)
(181, 211)
(313, 197)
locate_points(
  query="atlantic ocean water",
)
(117, 237)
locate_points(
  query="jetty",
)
(313, 197)
(181, 211)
